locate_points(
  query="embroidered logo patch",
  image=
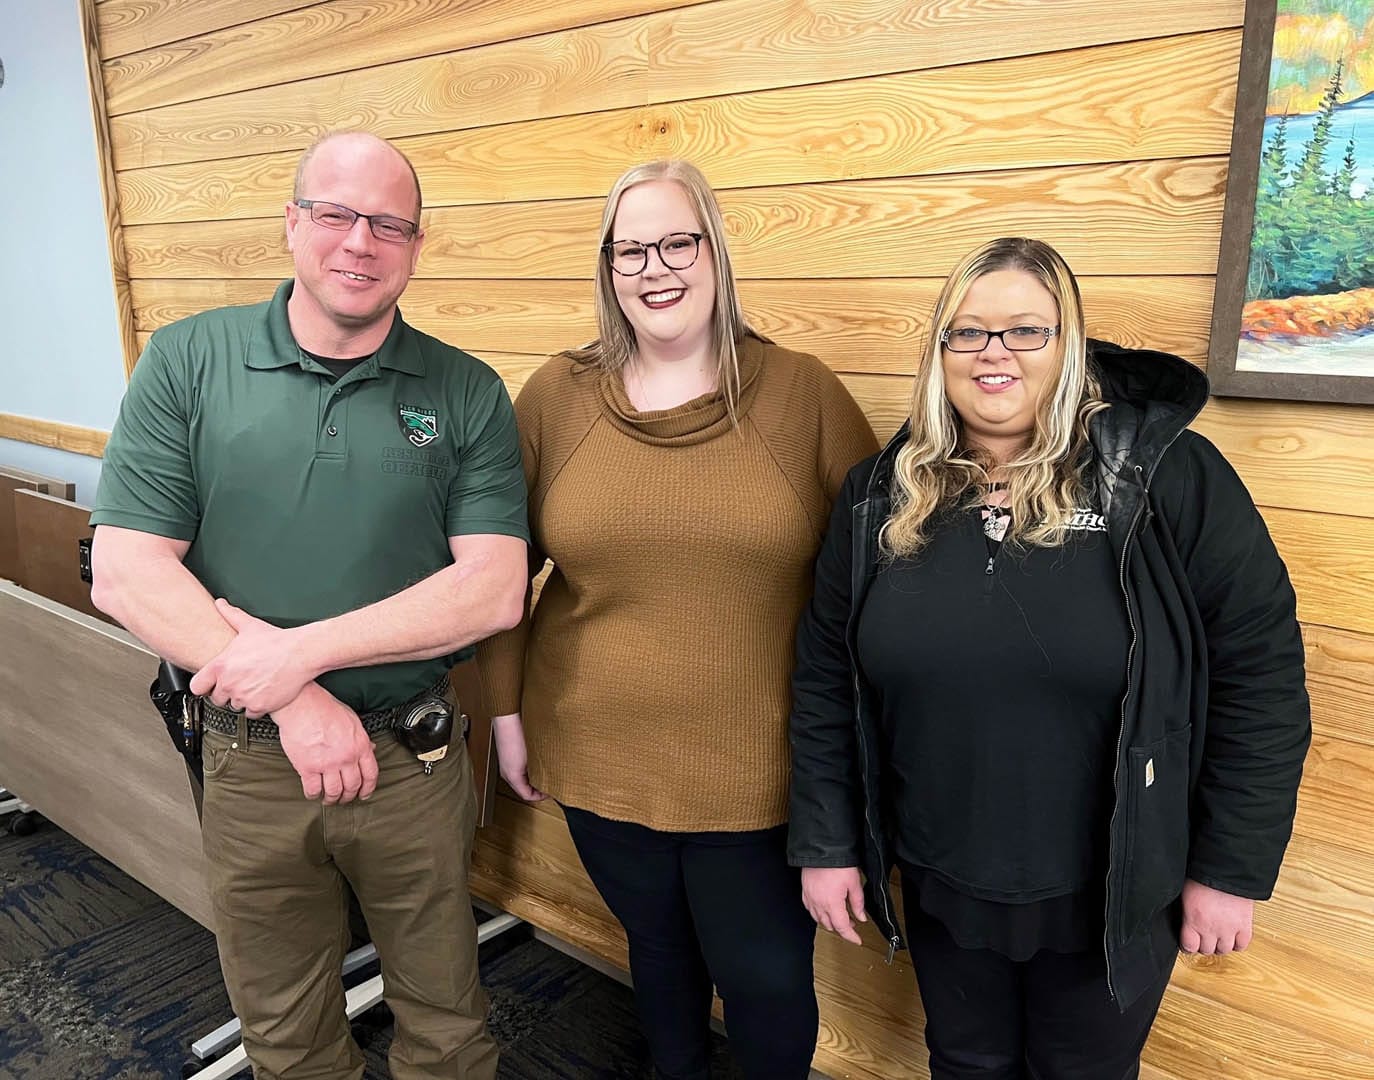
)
(420, 426)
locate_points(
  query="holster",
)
(171, 695)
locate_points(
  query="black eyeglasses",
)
(1015, 338)
(677, 251)
(395, 230)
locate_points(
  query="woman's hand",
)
(510, 753)
(1215, 921)
(831, 894)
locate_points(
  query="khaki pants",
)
(277, 865)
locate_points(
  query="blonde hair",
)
(615, 344)
(935, 469)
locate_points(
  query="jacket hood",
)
(1151, 382)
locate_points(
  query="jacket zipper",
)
(881, 891)
(880, 888)
(1121, 729)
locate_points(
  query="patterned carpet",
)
(102, 980)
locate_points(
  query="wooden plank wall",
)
(860, 147)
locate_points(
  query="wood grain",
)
(326, 38)
(1340, 678)
(581, 70)
(51, 433)
(1324, 901)
(635, 62)
(1297, 454)
(119, 267)
(1195, 1037)
(1336, 799)
(911, 124)
(146, 823)
(1150, 218)
(127, 26)
(1324, 994)
(1331, 561)
(741, 45)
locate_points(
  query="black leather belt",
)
(226, 721)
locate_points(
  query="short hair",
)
(329, 136)
(615, 342)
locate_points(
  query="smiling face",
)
(996, 391)
(348, 281)
(670, 310)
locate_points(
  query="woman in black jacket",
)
(1052, 672)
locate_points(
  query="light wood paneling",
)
(1334, 800)
(514, 368)
(1340, 678)
(325, 38)
(1331, 561)
(582, 70)
(1296, 454)
(1146, 218)
(741, 45)
(130, 25)
(1325, 993)
(1195, 1037)
(631, 63)
(912, 124)
(1324, 896)
(706, 49)
(77, 440)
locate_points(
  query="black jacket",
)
(1215, 721)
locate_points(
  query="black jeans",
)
(1046, 1018)
(710, 908)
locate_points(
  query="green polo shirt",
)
(303, 498)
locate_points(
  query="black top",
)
(336, 367)
(999, 706)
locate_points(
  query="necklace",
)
(995, 522)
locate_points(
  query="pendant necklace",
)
(996, 519)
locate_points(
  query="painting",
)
(1293, 314)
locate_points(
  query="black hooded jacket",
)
(1215, 721)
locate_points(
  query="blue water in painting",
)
(1354, 118)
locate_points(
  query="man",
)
(316, 508)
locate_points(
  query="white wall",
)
(60, 354)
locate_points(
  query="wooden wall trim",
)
(53, 434)
(119, 268)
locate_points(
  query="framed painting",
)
(1293, 313)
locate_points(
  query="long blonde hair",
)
(615, 343)
(936, 470)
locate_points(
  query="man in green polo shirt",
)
(318, 509)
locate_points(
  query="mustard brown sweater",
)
(653, 674)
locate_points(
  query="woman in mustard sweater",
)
(681, 469)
